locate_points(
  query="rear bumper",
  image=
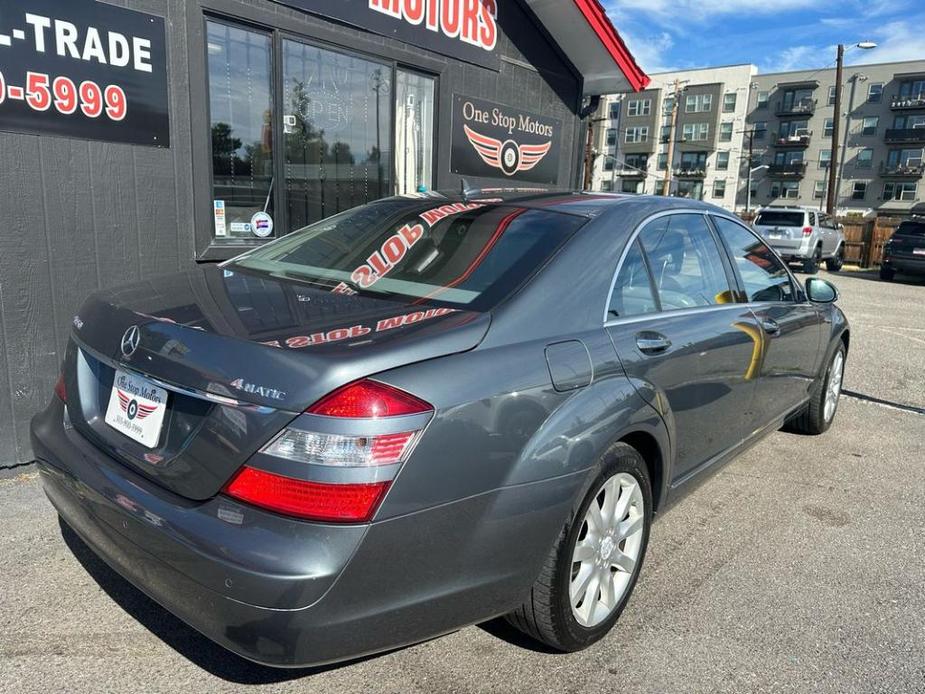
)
(908, 264)
(287, 593)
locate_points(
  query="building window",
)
(695, 132)
(632, 186)
(611, 137)
(818, 190)
(903, 190)
(904, 158)
(869, 125)
(615, 110)
(875, 93)
(729, 102)
(909, 122)
(698, 103)
(785, 189)
(859, 191)
(667, 105)
(722, 161)
(338, 143)
(760, 128)
(637, 134)
(762, 99)
(725, 131)
(832, 95)
(694, 161)
(636, 162)
(865, 158)
(606, 186)
(240, 118)
(608, 163)
(639, 107)
(662, 162)
(825, 158)
(414, 132)
(794, 128)
(664, 134)
(827, 126)
(719, 188)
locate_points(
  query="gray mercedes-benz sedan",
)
(427, 412)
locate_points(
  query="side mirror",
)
(820, 291)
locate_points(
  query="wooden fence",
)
(864, 239)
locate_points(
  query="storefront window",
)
(337, 125)
(414, 132)
(241, 116)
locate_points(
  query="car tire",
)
(548, 614)
(816, 418)
(887, 273)
(834, 264)
(811, 265)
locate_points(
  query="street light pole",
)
(748, 193)
(836, 125)
(832, 196)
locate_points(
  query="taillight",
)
(61, 389)
(367, 454)
(306, 499)
(807, 231)
(368, 399)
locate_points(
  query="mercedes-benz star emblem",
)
(130, 341)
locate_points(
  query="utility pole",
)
(666, 184)
(832, 193)
(748, 190)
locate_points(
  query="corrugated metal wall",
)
(78, 216)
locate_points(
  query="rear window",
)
(774, 218)
(911, 229)
(467, 255)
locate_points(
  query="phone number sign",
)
(83, 69)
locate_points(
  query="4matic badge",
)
(508, 156)
(262, 391)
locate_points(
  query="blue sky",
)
(775, 35)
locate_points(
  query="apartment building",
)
(880, 166)
(632, 137)
(787, 119)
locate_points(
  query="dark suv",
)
(905, 251)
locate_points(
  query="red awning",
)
(589, 40)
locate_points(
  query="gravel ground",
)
(798, 567)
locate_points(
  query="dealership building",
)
(143, 137)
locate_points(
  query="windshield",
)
(467, 255)
(779, 219)
(911, 229)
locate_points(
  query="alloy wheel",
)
(607, 550)
(833, 388)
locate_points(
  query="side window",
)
(687, 268)
(632, 292)
(764, 276)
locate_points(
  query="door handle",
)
(771, 327)
(652, 343)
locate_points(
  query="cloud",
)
(900, 40)
(699, 10)
(650, 51)
(800, 58)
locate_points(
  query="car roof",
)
(583, 204)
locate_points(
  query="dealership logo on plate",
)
(508, 156)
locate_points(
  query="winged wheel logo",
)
(132, 408)
(508, 156)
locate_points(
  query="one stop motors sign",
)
(84, 69)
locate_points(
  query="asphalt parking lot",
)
(799, 567)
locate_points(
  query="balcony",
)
(907, 103)
(911, 169)
(905, 135)
(630, 173)
(794, 170)
(799, 107)
(689, 171)
(800, 139)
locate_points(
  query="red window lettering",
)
(298, 341)
(394, 249)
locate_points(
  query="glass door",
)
(337, 131)
(414, 132)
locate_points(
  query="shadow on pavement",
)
(177, 634)
(874, 276)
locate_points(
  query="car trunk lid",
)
(239, 355)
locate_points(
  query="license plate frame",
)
(137, 408)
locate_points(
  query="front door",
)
(791, 327)
(687, 347)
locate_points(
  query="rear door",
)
(783, 229)
(687, 347)
(790, 326)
